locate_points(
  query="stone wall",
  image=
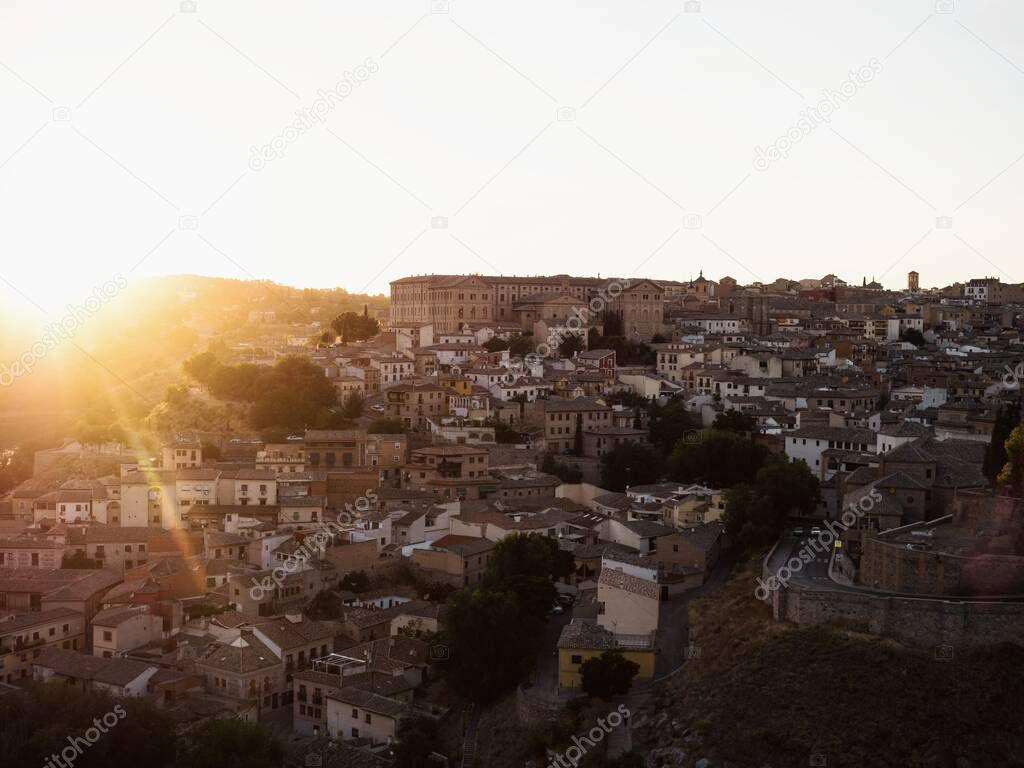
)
(991, 569)
(996, 515)
(894, 567)
(924, 622)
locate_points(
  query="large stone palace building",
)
(451, 301)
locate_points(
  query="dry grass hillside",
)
(762, 693)
(196, 414)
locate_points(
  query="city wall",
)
(924, 622)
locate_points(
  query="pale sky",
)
(552, 135)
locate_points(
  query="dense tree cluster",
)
(570, 344)
(352, 327)
(756, 511)
(629, 464)
(355, 581)
(627, 351)
(914, 336)
(353, 406)
(735, 421)
(386, 425)
(417, 740)
(1012, 474)
(493, 632)
(671, 424)
(564, 472)
(521, 345)
(719, 459)
(1007, 417)
(39, 720)
(496, 344)
(291, 395)
(610, 674)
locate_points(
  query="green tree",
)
(627, 351)
(496, 344)
(39, 720)
(629, 464)
(564, 472)
(735, 421)
(527, 555)
(417, 739)
(492, 642)
(521, 345)
(235, 382)
(176, 395)
(570, 345)
(670, 424)
(1012, 475)
(355, 581)
(914, 336)
(756, 511)
(720, 459)
(294, 393)
(437, 591)
(612, 323)
(610, 674)
(232, 744)
(1007, 417)
(352, 327)
(386, 426)
(352, 408)
(201, 367)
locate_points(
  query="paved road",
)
(814, 575)
(673, 639)
(469, 741)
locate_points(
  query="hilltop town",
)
(456, 529)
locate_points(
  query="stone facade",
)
(451, 301)
(923, 622)
(974, 551)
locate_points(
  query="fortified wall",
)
(921, 621)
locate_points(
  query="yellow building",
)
(582, 640)
(696, 506)
(462, 386)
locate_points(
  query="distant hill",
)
(123, 357)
